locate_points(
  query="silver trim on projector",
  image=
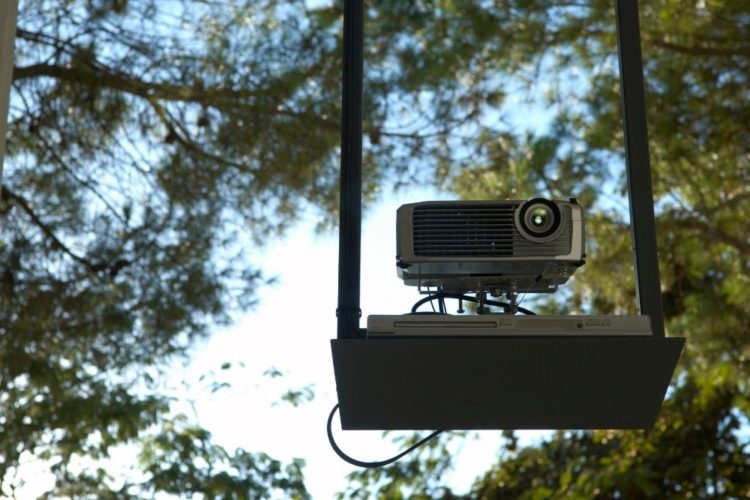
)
(494, 325)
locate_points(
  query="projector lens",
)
(538, 220)
(540, 217)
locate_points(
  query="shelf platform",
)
(599, 382)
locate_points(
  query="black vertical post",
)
(350, 207)
(640, 193)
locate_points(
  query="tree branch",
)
(701, 50)
(126, 83)
(714, 233)
(47, 230)
(112, 267)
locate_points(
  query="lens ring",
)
(538, 220)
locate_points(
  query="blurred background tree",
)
(152, 146)
(155, 144)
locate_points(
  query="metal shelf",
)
(503, 383)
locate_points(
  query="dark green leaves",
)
(154, 145)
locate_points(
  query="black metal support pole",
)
(348, 311)
(647, 283)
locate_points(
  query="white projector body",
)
(513, 246)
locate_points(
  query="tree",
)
(152, 146)
(694, 451)
(697, 59)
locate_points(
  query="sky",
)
(290, 331)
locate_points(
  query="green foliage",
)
(297, 397)
(180, 460)
(416, 476)
(693, 451)
(154, 145)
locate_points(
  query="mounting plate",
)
(503, 383)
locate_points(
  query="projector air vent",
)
(477, 230)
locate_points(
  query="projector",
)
(514, 246)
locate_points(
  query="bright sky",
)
(290, 330)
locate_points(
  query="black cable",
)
(441, 296)
(505, 306)
(421, 301)
(370, 465)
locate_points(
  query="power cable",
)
(371, 465)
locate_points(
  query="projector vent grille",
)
(469, 230)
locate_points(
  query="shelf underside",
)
(503, 383)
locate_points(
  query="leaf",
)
(273, 372)
(296, 397)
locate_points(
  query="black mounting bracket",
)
(510, 382)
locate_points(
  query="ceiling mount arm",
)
(640, 193)
(350, 205)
